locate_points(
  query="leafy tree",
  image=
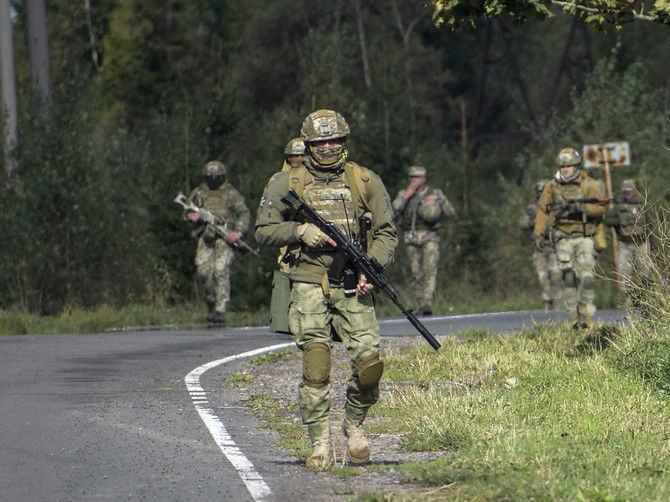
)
(467, 13)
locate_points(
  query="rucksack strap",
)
(359, 182)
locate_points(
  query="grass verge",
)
(550, 414)
(545, 414)
(106, 318)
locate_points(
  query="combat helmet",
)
(323, 125)
(628, 185)
(568, 157)
(416, 171)
(214, 168)
(295, 147)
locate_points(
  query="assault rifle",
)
(217, 223)
(591, 200)
(369, 267)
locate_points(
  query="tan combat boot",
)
(358, 448)
(587, 321)
(322, 455)
(573, 322)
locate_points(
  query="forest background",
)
(146, 92)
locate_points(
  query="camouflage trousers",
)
(576, 260)
(423, 261)
(312, 316)
(548, 274)
(633, 261)
(212, 261)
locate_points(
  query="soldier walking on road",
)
(342, 192)
(572, 225)
(421, 210)
(214, 255)
(544, 261)
(630, 219)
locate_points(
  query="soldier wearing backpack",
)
(342, 192)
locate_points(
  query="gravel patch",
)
(280, 380)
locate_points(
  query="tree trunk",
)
(562, 66)
(364, 49)
(516, 75)
(91, 35)
(9, 115)
(406, 33)
(38, 45)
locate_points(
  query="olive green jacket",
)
(276, 224)
(585, 222)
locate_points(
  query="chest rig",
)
(334, 202)
(216, 201)
(337, 199)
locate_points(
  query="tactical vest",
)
(565, 191)
(630, 221)
(338, 201)
(217, 203)
(358, 182)
(410, 218)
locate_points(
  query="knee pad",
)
(569, 278)
(370, 370)
(316, 365)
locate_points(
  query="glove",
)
(611, 217)
(310, 234)
(541, 244)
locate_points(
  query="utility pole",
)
(8, 108)
(605, 156)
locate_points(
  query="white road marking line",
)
(257, 488)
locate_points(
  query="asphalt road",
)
(109, 416)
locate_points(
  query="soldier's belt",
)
(323, 272)
(560, 234)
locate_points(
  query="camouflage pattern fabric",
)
(213, 260)
(423, 262)
(548, 274)
(633, 261)
(576, 260)
(213, 256)
(555, 191)
(311, 316)
(544, 262)
(406, 210)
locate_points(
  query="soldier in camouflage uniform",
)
(342, 192)
(214, 255)
(295, 153)
(421, 209)
(544, 262)
(572, 226)
(631, 220)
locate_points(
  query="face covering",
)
(327, 155)
(570, 179)
(214, 182)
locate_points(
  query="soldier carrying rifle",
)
(630, 218)
(327, 300)
(571, 227)
(216, 239)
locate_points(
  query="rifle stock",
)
(215, 221)
(366, 265)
